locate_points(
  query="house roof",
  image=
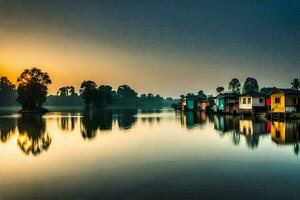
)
(202, 96)
(268, 90)
(227, 94)
(254, 93)
(287, 91)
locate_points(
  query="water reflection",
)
(7, 128)
(33, 138)
(252, 129)
(287, 133)
(92, 121)
(67, 123)
(190, 119)
(126, 118)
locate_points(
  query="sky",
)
(170, 47)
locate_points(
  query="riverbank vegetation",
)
(32, 92)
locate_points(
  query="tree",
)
(295, 84)
(66, 91)
(104, 96)
(124, 91)
(143, 96)
(220, 89)
(234, 85)
(7, 92)
(250, 84)
(88, 91)
(33, 88)
(62, 92)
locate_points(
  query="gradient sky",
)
(159, 46)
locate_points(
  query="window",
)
(249, 100)
(244, 100)
(261, 100)
(277, 100)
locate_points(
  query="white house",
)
(252, 101)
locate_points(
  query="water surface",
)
(147, 154)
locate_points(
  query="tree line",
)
(32, 92)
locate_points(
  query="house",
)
(202, 102)
(252, 102)
(227, 103)
(191, 102)
(194, 102)
(285, 100)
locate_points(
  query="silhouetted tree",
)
(250, 84)
(7, 92)
(295, 84)
(88, 91)
(104, 97)
(33, 88)
(126, 96)
(234, 85)
(124, 91)
(220, 89)
(66, 91)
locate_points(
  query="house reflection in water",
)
(252, 129)
(191, 119)
(286, 133)
(226, 123)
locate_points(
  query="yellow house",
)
(285, 100)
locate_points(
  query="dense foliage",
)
(250, 84)
(33, 88)
(7, 92)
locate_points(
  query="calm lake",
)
(147, 154)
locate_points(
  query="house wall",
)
(256, 102)
(247, 105)
(289, 100)
(204, 105)
(278, 107)
(220, 104)
(189, 104)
